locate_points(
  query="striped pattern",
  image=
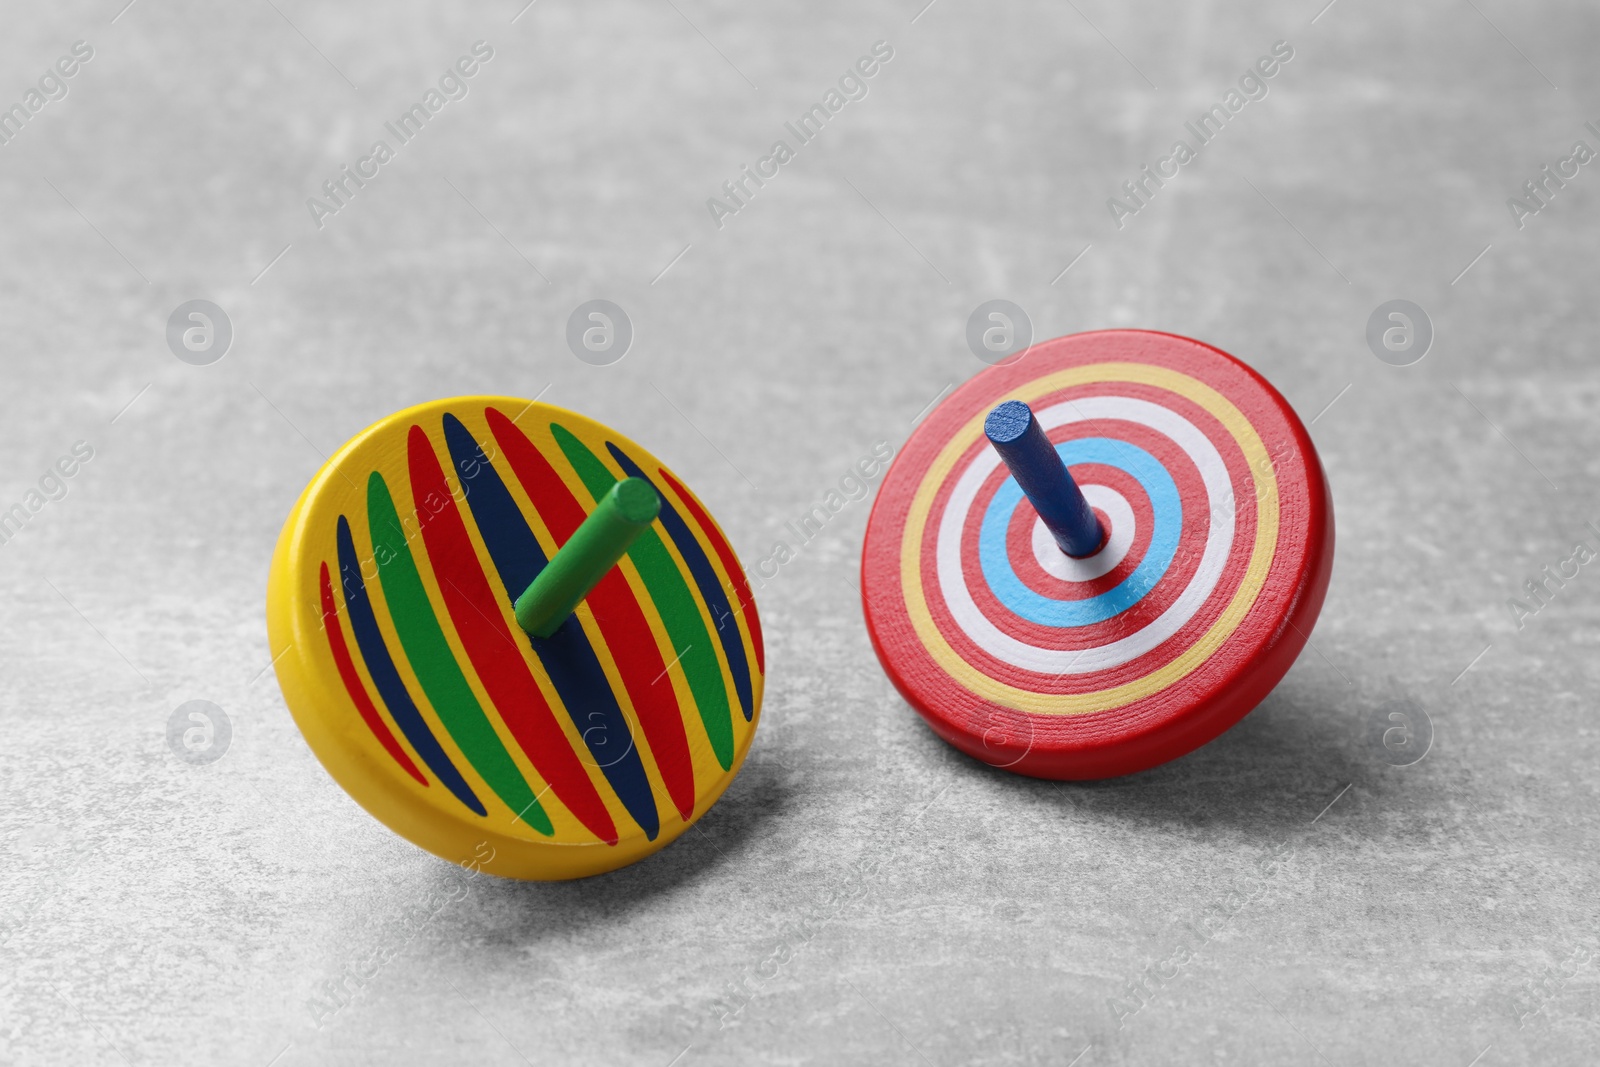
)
(1068, 650)
(1218, 551)
(623, 719)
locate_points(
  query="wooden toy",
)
(1102, 612)
(581, 744)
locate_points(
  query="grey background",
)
(862, 894)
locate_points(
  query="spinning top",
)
(1099, 557)
(511, 632)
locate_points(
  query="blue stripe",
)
(1165, 504)
(567, 656)
(380, 665)
(705, 576)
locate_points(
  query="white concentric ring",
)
(1219, 543)
(1058, 564)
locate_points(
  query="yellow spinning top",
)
(573, 749)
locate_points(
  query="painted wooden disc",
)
(1217, 559)
(391, 599)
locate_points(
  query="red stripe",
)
(1176, 719)
(623, 626)
(495, 654)
(1195, 520)
(1020, 531)
(1188, 479)
(1185, 475)
(354, 686)
(730, 564)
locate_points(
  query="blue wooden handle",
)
(1044, 479)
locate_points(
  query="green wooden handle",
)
(627, 509)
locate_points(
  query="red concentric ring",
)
(1086, 694)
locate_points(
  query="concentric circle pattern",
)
(1217, 558)
(391, 606)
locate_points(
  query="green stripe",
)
(679, 610)
(435, 664)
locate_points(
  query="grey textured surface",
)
(862, 894)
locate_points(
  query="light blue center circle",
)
(1168, 526)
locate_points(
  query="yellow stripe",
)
(702, 756)
(1255, 575)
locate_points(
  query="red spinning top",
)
(1207, 526)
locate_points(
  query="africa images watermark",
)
(52, 486)
(854, 485)
(1142, 188)
(52, 86)
(454, 84)
(1541, 590)
(852, 86)
(199, 732)
(1539, 191)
